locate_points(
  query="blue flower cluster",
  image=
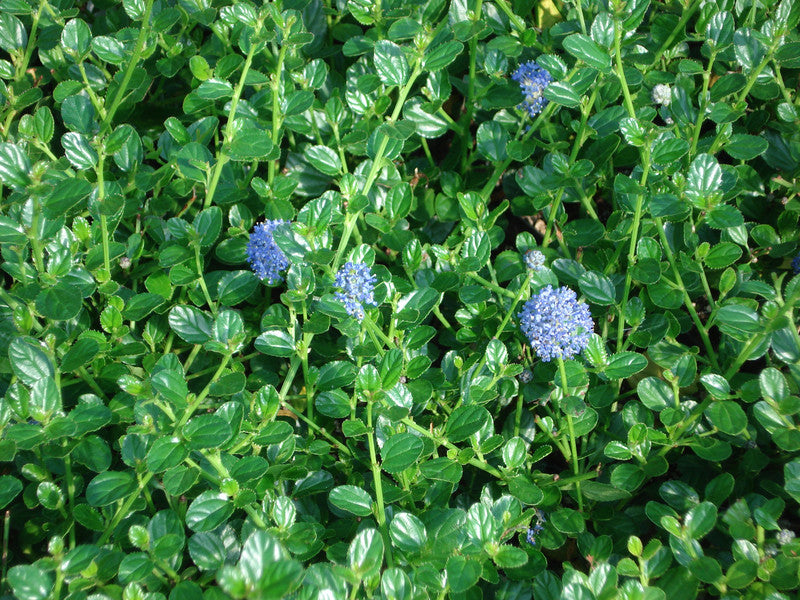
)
(796, 264)
(556, 324)
(537, 528)
(534, 260)
(532, 80)
(263, 254)
(358, 287)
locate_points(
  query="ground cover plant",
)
(399, 299)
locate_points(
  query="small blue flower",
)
(531, 537)
(532, 80)
(263, 254)
(537, 527)
(358, 288)
(534, 260)
(556, 324)
(796, 264)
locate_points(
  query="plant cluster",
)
(399, 299)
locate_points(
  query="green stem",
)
(190, 410)
(376, 478)
(202, 280)
(523, 289)
(222, 156)
(701, 330)
(126, 78)
(276, 111)
(36, 243)
(571, 429)
(70, 481)
(703, 104)
(6, 536)
(26, 59)
(579, 8)
(516, 21)
(488, 284)
(469, 101)
(576, 146)
(620, 70)
(475, 462)
(123, 510)
(687, 14)
(637, 217)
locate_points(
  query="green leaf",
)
(60, 302)
(464, 421)
(77, 113)
(236, 287)
(141, 305)
(10, 487)
(492, 140)
(29, 582)
(336, 374)
(76, 37)
(15, 166)
(597, 288)
(655, 394)
(441, 56)
(106, 488)
(65, 195)
(746, 147)
(391, 63)
(400, 452)
(351, 500)
(625, 364)
(700, 520)
(408, 533)
(568, 521)
(462, 573)
(13, 35)
(109, 49)
(78, 151)
(191, 324)
(251, 144)
(727, 416)
(207, 431)
(166, 453)
(585, 49)
(207, 551)
(704, 181)
(365, 554)
(510, 557)
(706, 569)
(208, 511)
(738, 321)
(562, 92)
(323, 159)
(28, 361)
(214, 89)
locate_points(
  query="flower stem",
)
(571, 429)
(376, 478)
(222, 156)
(126, 78)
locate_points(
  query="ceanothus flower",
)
(358, 287)
(537, 528)
(532, 80)
(556, 324)
(785, 536)
(263, 254)
(796, 264)
(534, 260)
(661, 94)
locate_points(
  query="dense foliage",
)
(399, 299)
